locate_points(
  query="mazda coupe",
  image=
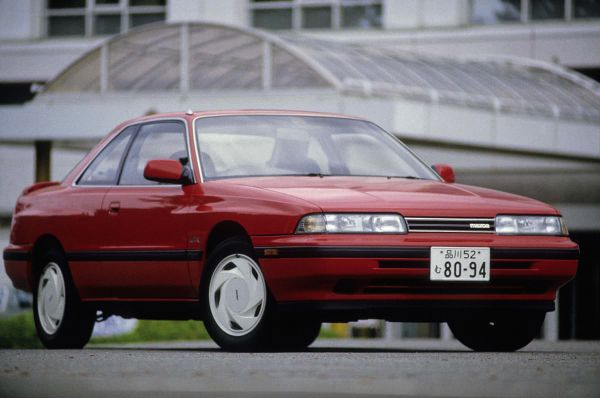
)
(264, 224)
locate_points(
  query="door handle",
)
(114, 207)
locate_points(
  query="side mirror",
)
(445, 171)
(167, 171)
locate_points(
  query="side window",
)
(104, 168)
(164, 140)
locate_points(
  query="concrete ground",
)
(330, 368)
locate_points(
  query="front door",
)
(148, 253)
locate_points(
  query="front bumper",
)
(395, 268)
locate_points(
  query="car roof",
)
(240, 112)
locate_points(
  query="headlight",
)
(352, 223)
(530, 225)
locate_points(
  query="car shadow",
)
(310, 350)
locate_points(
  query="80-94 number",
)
(456, 269)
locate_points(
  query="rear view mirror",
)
(167, 171)
(445, 171)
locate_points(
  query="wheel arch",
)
(41, 246)
(224, 230)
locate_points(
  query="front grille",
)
(433, 224)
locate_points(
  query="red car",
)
(264, 224)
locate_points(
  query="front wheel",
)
(498, 333)
(235, 298)
(61, 320)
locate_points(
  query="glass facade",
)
(66, 26)
(107, 24)
(142, 19)
(53, 4)
(489, 12)
(147, 2)
(100, 17)
(586, 8)
(361, 16)
(547, 9)
(272, 19)
(316, 14)
(316, 17)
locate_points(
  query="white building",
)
(497, 88)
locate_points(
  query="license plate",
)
(460, 264)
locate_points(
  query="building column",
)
(43, 151)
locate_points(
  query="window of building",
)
(316, 17)
(547, 9)
(100, 17)
(108, 24)
(142, 19)
(272, 18)
(316, 14)
(66, 3)
(488, 12)
(586, 8)
(66, 26)
(365, 16)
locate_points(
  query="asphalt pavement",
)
(330, 368)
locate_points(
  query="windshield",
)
(273, 145)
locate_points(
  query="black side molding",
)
(15, 256)
(135, 255)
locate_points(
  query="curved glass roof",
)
(209, 57)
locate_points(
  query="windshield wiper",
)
(321, 175)
(406, 177)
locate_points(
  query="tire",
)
(237, 308)
(293, 333)
(61, 320)
(498, 333)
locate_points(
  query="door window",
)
(164, 140)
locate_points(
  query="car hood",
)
(405, 196)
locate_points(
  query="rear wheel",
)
(61, 320)
(498, 333)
